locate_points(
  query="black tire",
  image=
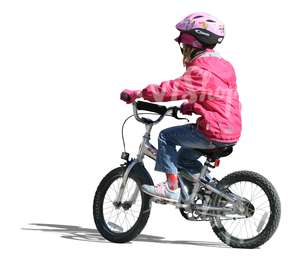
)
(275, 210)
(104, 185)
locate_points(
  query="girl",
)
(209, 86)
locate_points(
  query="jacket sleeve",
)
(189, 86)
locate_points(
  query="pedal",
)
(159, 201)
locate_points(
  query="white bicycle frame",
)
(147, 149)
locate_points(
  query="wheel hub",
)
(245, 208)
(249, 209)
(126, 205)
(117, 205)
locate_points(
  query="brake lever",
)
(175, 114)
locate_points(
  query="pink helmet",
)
(200, 30)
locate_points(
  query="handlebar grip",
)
(141, 105)
(125, 97)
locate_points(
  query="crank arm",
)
(159, 200)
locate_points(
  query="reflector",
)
(217, 162)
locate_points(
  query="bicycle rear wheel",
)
(263, 219)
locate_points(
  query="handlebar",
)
(155, 108)
(159, 109)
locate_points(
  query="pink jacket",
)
(209, 83)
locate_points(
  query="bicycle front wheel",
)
(121, 222)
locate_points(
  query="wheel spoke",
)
(107, 207)
(263, 208)
(257, 196)
(251, 192)
(111, 214)
(239, 229)
(250, 227)
(124, 219)
(246, 227)
(110, 199)
(262, 205)
(254, 222)
(117, 218)
(241, 189)
(235, 227)
(254, 190)
(113, 185)
(244, 188)
(131, 210)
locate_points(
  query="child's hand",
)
(129, 96)
(187, 108)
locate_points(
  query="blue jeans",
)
(189, 138)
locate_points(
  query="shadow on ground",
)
(92, 235)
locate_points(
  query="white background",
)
(62, 67)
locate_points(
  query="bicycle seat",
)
(216, 153)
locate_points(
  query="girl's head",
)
(198, 32)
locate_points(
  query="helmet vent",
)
(209, 20)
(197, 17)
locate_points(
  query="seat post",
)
(203, 170)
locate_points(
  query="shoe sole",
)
(161, 198)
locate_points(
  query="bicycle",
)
(243, 208)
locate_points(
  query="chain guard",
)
(205, 199)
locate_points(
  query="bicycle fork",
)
(146, 148)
